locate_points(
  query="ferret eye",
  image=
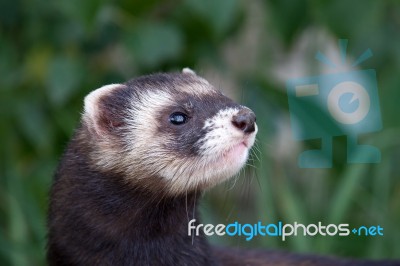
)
(178, 118)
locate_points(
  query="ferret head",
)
(173, 132)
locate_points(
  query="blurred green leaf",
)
(153, 43)
(10, 13)
(219, 14)
(63, 79)
(33, 124)
(361, 18)
(289, 17)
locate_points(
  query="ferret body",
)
(138, 162)
(135, 168)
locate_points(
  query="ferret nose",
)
(245, 120)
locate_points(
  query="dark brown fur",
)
(100, 219)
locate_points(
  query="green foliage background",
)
(52, 53)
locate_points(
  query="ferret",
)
(131, 176)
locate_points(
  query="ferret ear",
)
(102, 113)
(188, 71)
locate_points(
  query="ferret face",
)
(174, 130)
